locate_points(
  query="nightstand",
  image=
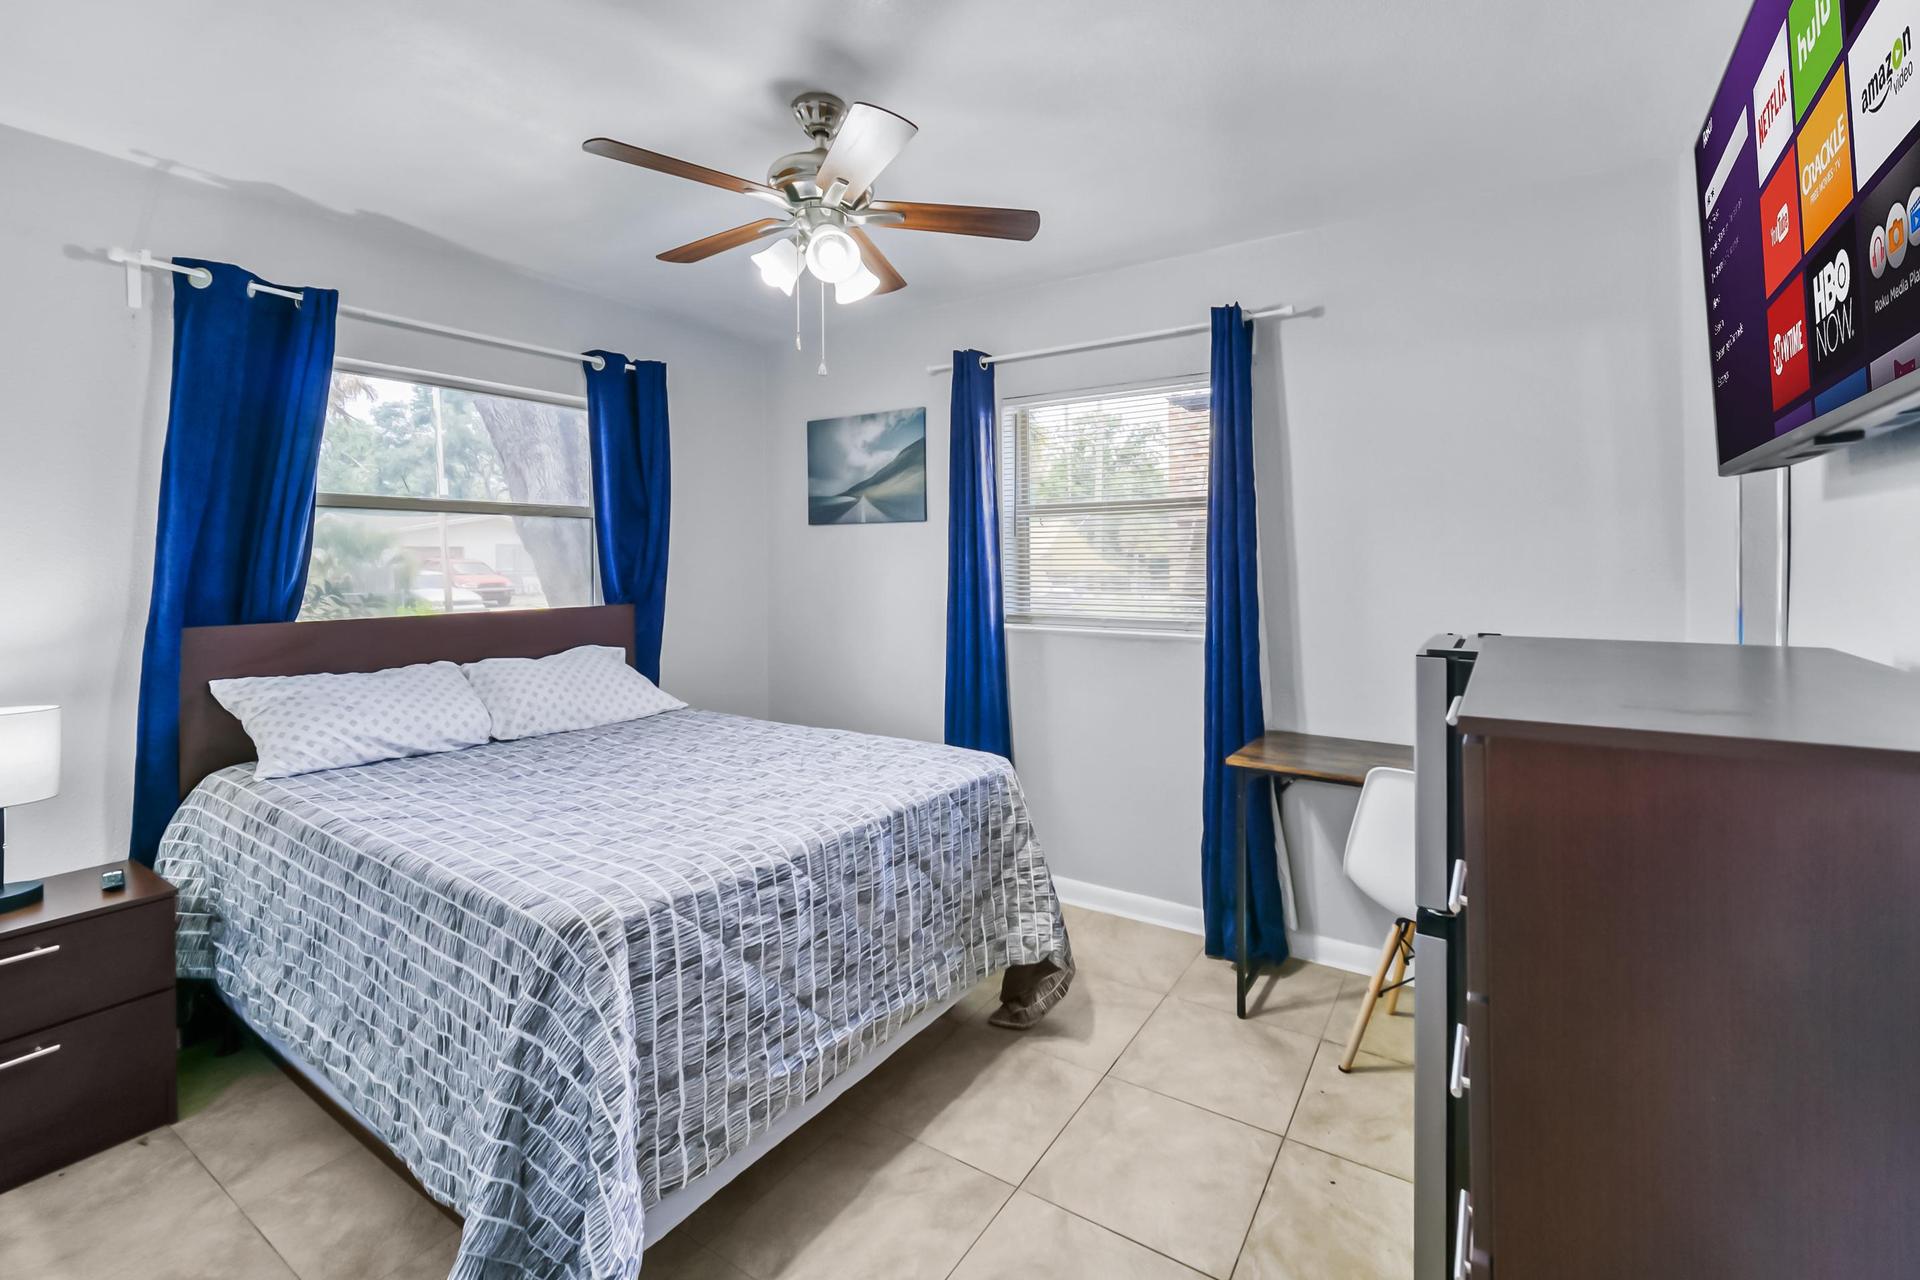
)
(86, 1020)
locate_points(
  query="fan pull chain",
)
(822, 371)
(796, 313)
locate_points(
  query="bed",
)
(576, 983)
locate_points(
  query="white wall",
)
(83, 387)
(1483, 432)
(1855, 549)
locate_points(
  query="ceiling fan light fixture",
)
(779, 265)
(832, 255)
(859, 285)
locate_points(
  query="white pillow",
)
(583, 687)
(303, 723)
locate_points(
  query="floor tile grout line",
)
(1104, 1077)
(981, 1234)
(1362, 1164)
(1120, 1235)
(1266, 1185)
(1292, 1112)
(174, 1129)
(1108, 1075)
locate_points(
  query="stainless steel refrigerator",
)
(1442, 668)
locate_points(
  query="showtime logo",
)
(1787, 346)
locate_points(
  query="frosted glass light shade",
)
(779, 265)
(29, 754)
(855, 287)
(832, 255)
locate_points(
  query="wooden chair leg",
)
(1387, 954)
(1399, 970)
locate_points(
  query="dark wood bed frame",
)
(211, 739)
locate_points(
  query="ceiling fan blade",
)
(868, 140)
(679, 168)
(877, 263)
(722, 241)
(960, 219)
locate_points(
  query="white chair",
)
(1379, 860)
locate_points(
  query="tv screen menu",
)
(1808, 170)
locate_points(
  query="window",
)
(1103, 508)
(435, 499)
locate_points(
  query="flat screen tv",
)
(1808, 169)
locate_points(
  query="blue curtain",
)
(1234, 713)
(632, 470)
(235, 526)
(976, 634)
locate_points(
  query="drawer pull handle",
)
(1457, 890)
(1463, 1239)
(38, 1052)
(1453, 709)
(1457, 1082)
(34, 954)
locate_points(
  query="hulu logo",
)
(1816, 46)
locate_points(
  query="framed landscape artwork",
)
(867, 468)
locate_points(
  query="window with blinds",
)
(1103, 508)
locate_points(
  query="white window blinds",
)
(1103, 508)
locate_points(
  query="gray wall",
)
(1482, 432)
(83, 390)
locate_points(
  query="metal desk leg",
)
(1242, 979)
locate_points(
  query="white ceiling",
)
(1139, 130)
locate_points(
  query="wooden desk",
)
(1280, 759)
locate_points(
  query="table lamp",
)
(29, 771)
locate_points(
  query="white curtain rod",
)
(201, 278)
(1178, 331)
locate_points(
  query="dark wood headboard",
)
(211, 739)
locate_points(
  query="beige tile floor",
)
(1142, 1132)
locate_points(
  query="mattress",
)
(565, 976)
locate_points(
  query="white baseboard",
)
(1336, 953)
(1132, 906)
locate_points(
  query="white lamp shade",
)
(832, 255)
(29, 754)
(856, 287)
(779, 265)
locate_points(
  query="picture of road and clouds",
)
(867, 468)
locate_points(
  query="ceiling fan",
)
(826, 202)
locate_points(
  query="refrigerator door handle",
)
(1453, 709)
(1457, 889)
(1457, 1082)
(1463, 1239)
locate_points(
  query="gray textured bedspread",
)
(563, 976)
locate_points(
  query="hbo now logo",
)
(1830, 285)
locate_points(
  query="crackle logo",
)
(1826, 162)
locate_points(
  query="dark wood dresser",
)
(1692, 1041)
(86, 1020)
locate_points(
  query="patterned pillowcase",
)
(300, 724)
(579, 689)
